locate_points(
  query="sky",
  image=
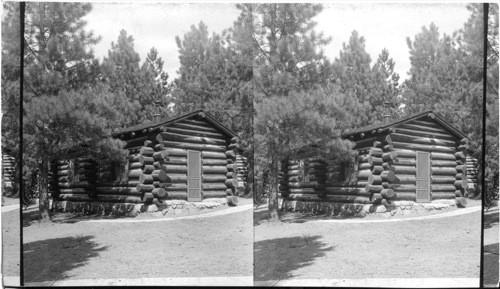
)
(382, 26)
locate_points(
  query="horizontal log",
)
(373, 188)
(118, 191)
(354, 191)
(176, 196)
(213, 155)
(193, 146)
(160, 156)
(389, 156)
(302, 184)
(171, 136)
(404, 169)
(67, 185)
(214, 169)
(443, 171)
(176, 178)
(159, 193)
(388, 176)
(194, 127)
(406, 196)
(146, 151)
(442, 156)
(176, 187)
(172, 152)
(146, 179)
(375, 161)
(398, 137)
(231, 167)
(367, 142)
(364, 174)
(214, 162)
(442, 195)
(214, 194)
(160, 175)
(420, 133)
(214, 178)
(375, 152)
(375, 180)
(147, 197)
(330, 198)
(405, 179)
(74, 197)
(192, 132)
(302, 191)
(443, 188)
(72, 191)
(442, 180)
(406, 153)
(135, 165)
(377, 170)
(425, 148)
(364, 166)
(388, 193)
(442, 163)
(214, 186)
(169, 169)
(145, 187)
(376, 197)
(144, 160)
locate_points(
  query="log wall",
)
(384, 167)
(242, 171)
(472, 170)
(157, 167)
(8, 170)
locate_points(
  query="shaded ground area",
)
(214, 246)
(447, 247)
(11, 240)
(261, 214)
(491, 245)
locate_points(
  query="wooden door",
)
(423, 177)
(194, 176)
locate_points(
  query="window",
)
(344, 171)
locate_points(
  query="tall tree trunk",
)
(273, 192)
(43, 205)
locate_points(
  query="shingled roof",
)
(382, 126)
(174, 119)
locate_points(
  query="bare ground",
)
(11, 249)
(213, 246)
(490, 258)
(301, 249)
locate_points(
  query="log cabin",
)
(417, 158)
(187, 157)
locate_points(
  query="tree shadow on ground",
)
(490, 220)
(33, 217)
(52, 259)
(276, 259)
(490, 266)
(262, 216)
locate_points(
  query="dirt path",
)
(216, 246)
(446, 247)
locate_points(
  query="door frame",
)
(197, 178)
(426, 177)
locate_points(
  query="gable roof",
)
(439, 119)
(169, 120)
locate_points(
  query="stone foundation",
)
(399, 208)
(132, 209)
